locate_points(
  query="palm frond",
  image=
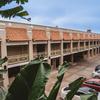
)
(16, 11)
(4, 2)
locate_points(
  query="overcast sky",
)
(73, 14)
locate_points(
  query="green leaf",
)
(89, 97)
(5, 2)
(16, 11)
(40, 82)
(21, 1)
(74, 86)
(3, 60)
(3, 93)
(30, 82)
(55, 89)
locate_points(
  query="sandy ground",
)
(83, 68)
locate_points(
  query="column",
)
(29, 32)
(84, 45)
(72, 58)
(61, 34)
(79, 45)
(4, 54)
(49, 45)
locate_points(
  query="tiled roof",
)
(55, 35)
(75, 36)
(66, 36)
(16, 34)
(39, 35)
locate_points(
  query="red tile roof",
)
(55, 35)
(39, 35)
(16, 34)
(66, 36)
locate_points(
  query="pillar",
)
(4, 54)
(29, 32)
(49, 45)
(61, 34)
(72, 58)
(79, 45)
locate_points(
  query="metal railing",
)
(75, 49)
(40, 54)
(87, 47)
(55, 52)
(81, 47)
(18, 58)
(66, 50)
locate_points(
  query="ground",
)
(83, 68)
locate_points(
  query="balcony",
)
(91, 46)
(81, 47)
(67, 50)
(18, 59)
(40, 54)
(75, 49)
(87, 47)
(55, 52)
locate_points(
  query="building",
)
(23, 42)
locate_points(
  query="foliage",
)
(74, 86)
(30, 82)
(15, 11)
(3, 92)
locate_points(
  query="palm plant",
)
(30, 83)
(15, 11)
(2, 70)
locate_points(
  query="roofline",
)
(15, 22)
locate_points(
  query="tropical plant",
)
(74, 86)
(30, 83)
(15, 11)
(3, 92)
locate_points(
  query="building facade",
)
(22, 43)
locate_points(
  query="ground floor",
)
(73, 58)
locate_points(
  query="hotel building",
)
(22, 43)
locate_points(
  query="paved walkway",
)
(83, 68)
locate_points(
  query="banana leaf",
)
(3, 60)
(4, 2)
(55, 89)
(74, 86)
(29, 84)
(89, 97)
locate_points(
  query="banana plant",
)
(3, 92)
(74, 86)
(30, 83)
(14, 11)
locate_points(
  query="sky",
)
(70, 14)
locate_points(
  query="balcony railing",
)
(55, 52)
(81, 47)
(87, 47)
(40, 54)
(75, 49)
(91, 46)
(66, 50)
(18, 59)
